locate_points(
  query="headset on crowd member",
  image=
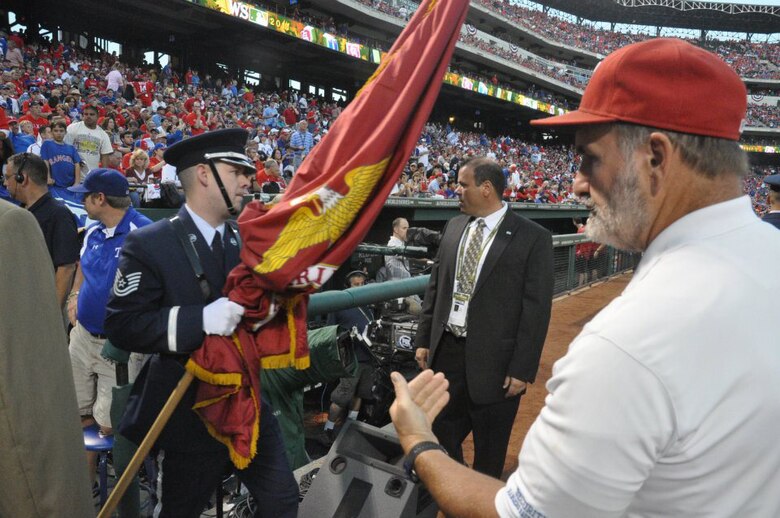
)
(18, 176)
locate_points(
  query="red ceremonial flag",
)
(291, 247)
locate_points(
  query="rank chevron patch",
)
(126, 284)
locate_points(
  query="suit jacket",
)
(157, 307)
(509, 309)
(41, 443)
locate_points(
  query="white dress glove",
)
(221, 317)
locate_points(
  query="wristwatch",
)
(416, 450)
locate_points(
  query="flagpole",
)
(146, 445)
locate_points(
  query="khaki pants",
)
(94, 376)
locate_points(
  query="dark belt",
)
(454, 337)
(97, 335)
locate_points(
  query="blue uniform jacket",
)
(157, 307)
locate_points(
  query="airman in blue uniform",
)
(160, 306)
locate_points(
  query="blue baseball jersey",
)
(99, 259)
(62, 159)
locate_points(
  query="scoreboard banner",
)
(488, 88)
(294, 28)
(755, 148)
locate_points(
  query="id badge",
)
(459, 310)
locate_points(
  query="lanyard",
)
(484, 245)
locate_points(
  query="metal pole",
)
(146, 446)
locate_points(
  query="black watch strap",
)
(416, 450)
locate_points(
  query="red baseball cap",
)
(663, 83)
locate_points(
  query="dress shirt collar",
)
(206, 230)
(698, 225)
(493, 219)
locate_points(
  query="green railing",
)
(570, 274)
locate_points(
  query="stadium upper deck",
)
(547, 81)
(557, 164)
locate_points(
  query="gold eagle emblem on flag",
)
(325, 217)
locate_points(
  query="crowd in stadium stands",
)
(143, 109)
(760, 115)
(550, 70)
(471, 38)
(743, 55)
(574, 35)
(535, 174)
(759, 140)
(759, 93)
(755, 187)
(755, 60)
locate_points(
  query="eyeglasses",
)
(19, 169)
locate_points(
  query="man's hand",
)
(416, 405)
(421, 355)
(514, 386)
(221, 317)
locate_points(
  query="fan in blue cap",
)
(108, 181)
(212, 147)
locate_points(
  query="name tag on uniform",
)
(459, 309)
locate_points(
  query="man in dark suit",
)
(773, 216)
(159, 306)
(485, 315)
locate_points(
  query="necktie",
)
(218, 250)
(468, 270)
(467, 273)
